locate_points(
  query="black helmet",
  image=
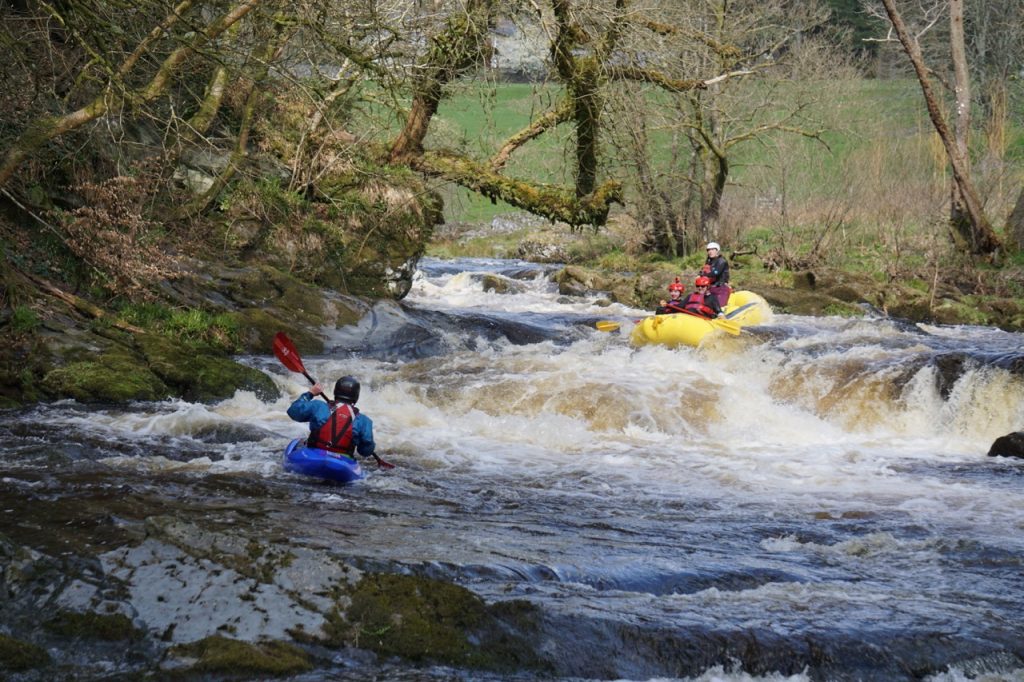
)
(346, 389)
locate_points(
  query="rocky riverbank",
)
(601, 262)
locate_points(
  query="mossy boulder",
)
(806, 302)
(497, 284)
(110, 377)
(262, 286)
(201, 374)
(22, 362)
(257, 328)
(957, 312)
(634, 289)
(425, 620)
(225, 656)
(17, 656)
(574, 280)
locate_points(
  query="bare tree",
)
(754, 57)
(967, 216)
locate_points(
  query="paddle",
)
(286, 352)
(739, 310)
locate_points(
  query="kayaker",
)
(674, 304)
(703, 302)
(716, 268)
(336, 426)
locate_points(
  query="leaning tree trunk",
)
(980, 237)
(462, 45)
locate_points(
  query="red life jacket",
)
(695, 303)
(336, 433)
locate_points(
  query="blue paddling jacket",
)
(317, 412)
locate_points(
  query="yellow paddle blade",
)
(606, 326)
(726, 326)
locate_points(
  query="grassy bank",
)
(871, 197)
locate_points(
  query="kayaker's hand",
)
(662, 303)
(316, 389)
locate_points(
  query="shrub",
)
(24, 320)
(111, 235)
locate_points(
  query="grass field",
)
(874, 129)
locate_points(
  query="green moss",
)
(110, 377)
(954, 312)
(18, 655)
(426, 620)
(269, 287)
(232, 656)
(303, 301)
(346, 314)
(189, 324)
(109, 627)
(257, 328)
(202, 374)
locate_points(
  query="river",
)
(810, 500)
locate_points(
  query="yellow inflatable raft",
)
(745, 308)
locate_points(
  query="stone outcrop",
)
(1010, 445)
(186, 599)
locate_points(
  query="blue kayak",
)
(332, 466)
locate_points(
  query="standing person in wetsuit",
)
(716, 268)
(337, 425)
(702, 302)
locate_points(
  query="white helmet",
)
(714, 245)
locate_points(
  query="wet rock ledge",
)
(188, 600)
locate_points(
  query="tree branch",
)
(635, 73)
(549, 201)
(560, 114)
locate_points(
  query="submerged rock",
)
(426, 620)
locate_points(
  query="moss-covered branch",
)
(208, 108)
(656, 78)
(722, 49)
(80, 304)
(560, 114)
(549, 201)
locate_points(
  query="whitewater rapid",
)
(815, 476)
